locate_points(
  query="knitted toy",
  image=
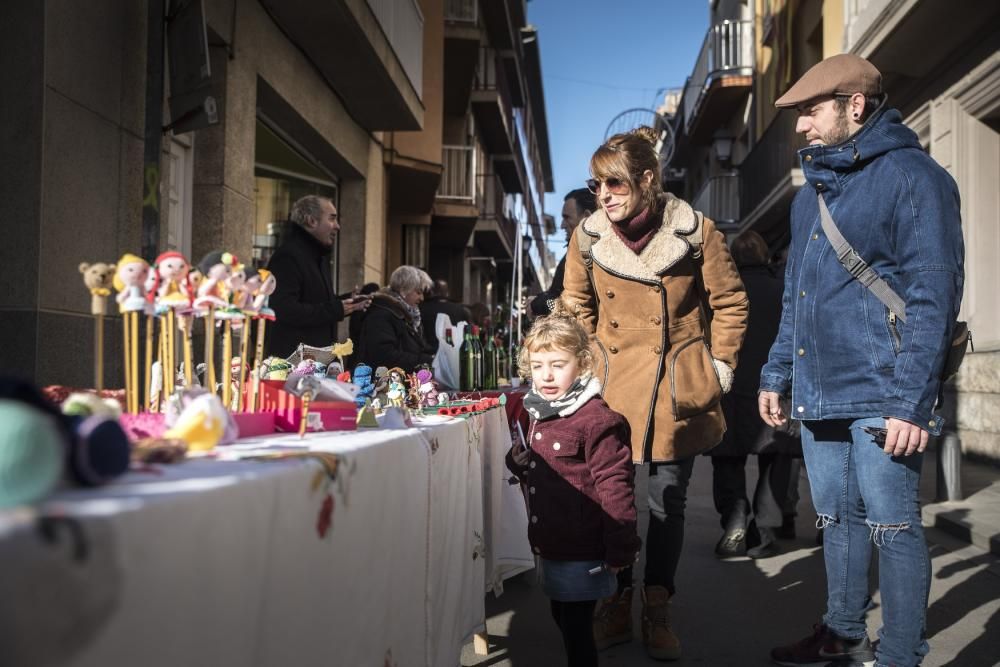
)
(215, 268)
(397, 387)
(31, 454)
(172, 286)
(130, 279)
(366, 388)
(98, 279)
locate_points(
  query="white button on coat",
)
(557, 446)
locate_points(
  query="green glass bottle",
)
(477, 346)
(490, 361)
(467, 363)
(503, 370)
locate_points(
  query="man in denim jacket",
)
(846, 362)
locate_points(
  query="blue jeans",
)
(863, 497)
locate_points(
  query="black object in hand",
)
(878, 433)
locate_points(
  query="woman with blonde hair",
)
(653, 283)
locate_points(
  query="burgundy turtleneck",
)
(637, 231)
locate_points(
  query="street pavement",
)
(732, 612)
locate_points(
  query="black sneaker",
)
(733, 542)
(825, 649)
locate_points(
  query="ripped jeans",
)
(863, 498)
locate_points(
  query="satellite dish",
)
(632, 118)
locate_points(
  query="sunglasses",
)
(615, 186)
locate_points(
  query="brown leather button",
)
(655, 320)
(613, 350)
(614, 324)
(657, 349)
(609, 294)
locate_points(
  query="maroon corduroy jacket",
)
(580, 487)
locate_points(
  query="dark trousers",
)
(668, 484)
(770, 498)
(576, 623)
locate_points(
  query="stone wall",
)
(972, 402)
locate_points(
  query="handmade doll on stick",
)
(130, 278)
(262, 313)
(98, 279)
(174, 293)
(214, 267)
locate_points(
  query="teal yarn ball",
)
(31, 454)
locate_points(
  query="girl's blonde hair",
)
(627, 156)
(558, 331)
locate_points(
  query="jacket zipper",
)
(896, 338)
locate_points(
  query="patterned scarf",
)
(637, 231)
(582, 390)
(412, 312)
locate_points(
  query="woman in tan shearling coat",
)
(659, 272)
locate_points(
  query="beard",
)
(840, 132)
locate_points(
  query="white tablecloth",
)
(221, 562)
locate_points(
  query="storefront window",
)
(282, 176)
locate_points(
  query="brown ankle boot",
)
(613, 620)
(660, 640)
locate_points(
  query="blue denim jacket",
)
(838, 349)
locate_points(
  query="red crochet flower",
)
(325, 519)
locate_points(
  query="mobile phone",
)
(878, 433)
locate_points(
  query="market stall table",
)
(260, 563)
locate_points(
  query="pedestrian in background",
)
(577, 205)
(577, 467)
(746, 433)
(305, 306)
(436, 301)
(863, 377)
(642, 275)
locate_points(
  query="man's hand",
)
(355, 304)
(769, 406)
(903, 438)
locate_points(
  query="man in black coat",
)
(577, 205)
(306, 308)
(438, 301)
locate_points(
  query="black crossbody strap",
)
(857, 267)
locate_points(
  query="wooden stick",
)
(258, 359)
(128, 359)
(210, 349)
(254, 388)
(306, 397)
(99, 352)
(187, 321)
(227, 363)
(134, 350)
(244, 362)
(147, 398)
(170, 377)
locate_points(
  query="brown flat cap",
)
(843, 74)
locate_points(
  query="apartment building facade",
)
(345, 98)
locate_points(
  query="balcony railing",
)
(719, 198)
(461, 11)
(458, 176)
(403, 25)
(727, 49)
(770, 162)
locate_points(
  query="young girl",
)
(577, 468)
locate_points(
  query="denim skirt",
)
(571, 581)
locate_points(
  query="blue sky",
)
(602, 57)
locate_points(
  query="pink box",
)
(287, 410)
(254, 423)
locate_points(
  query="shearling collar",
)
(665, 249)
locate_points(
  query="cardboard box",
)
(287, 409)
